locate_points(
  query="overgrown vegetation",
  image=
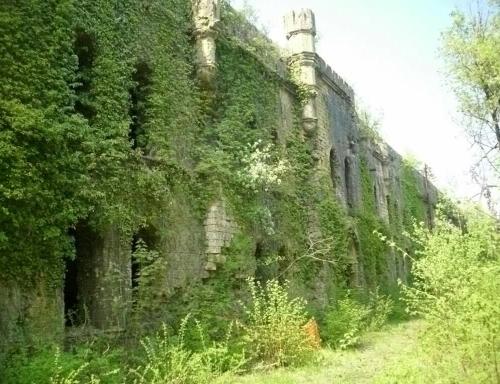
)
(348, 319)
(104, 126)
(273, 330)
(269, 334)
(457, 291)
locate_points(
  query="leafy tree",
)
(471, 49)
(456, 290)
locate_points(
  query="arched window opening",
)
(333, 167)
(389, 208)
(375, 197)
(348, 183)
(85, 50)
(139, 93)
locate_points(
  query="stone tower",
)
(206, 15)
(300, 28)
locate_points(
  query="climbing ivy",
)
(373, 251)
(414, 209)
(44, 153)
(66, 110)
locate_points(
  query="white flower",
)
(261, 168)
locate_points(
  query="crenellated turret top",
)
(302, 21)
(206, 14)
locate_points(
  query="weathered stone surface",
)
(39, 310)
(300, 28)
(206, 15)
(219, 231)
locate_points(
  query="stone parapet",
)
(334, 80)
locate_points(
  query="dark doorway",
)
(79, 278)
(71, 310)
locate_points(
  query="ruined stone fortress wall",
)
(194, 249)
(328, 115)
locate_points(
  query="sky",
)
(388, 51)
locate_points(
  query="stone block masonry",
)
(219, 231)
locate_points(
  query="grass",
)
(378, 352)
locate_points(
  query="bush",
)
(85, 364)
(381, 307)
(170, 360)
(273, 329)
(457, 291)
(348, 319)
(344, 322)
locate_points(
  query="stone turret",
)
(300, 28)
(206, 15)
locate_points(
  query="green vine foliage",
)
(414, 209)
(401, 219)
(43, 157)
(373, 251)
(72, 72)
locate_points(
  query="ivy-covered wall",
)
(141, 181)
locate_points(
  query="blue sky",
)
(388, 51)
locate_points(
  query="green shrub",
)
(346, 320)
(381, 307)
(170, 360)
(457, 292)
(273, 329)
(85, 364)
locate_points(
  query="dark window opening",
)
(389, 208)
(348, 182)
(71, 310)
(252, 122)
(333, 167)
(138, 110)
(85, 50)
